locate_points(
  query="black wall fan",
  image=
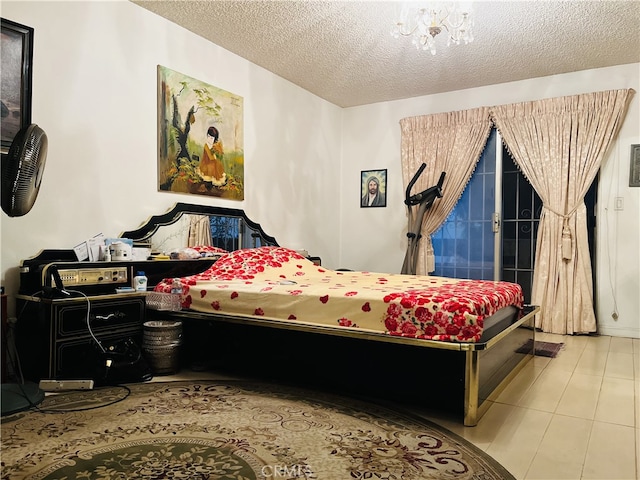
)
(22, 170)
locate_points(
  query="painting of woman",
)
(211, 168)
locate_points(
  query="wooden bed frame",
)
(463, 377)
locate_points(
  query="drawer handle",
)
(109, 317)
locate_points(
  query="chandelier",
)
(426, 23)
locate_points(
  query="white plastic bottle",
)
(176, 287)
(140, 282)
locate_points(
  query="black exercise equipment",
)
(420, 202)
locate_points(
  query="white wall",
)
(375, 239)
(94, 94)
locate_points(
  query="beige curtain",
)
(199, 231)
(447, 142)
(559, 144)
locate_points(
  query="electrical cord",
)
(109, 361)
(109, 353)
(88, 320)
(612, 270)
(14, 358)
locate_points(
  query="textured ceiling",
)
(343, 51)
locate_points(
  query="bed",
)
(280, 284)
(265, 299)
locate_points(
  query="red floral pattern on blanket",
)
(278, 283)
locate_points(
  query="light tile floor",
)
(573, 417)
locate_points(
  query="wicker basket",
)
(164, 301)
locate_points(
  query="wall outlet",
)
(618, 203)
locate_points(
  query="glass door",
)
(491, 233)
(465, 244)
(521, 208)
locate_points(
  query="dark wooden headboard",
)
(231, 228)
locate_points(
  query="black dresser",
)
(57, 338)
(62, 335)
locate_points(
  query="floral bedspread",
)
(278, 283)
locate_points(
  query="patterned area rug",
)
(230, 430)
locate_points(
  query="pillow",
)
(246, 262)
(184, 254)
(209, 251)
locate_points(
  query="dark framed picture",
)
(634, 166)
(17, 56)
(373, 188)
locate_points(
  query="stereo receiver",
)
(107, 275)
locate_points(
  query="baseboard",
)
(619, 332)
